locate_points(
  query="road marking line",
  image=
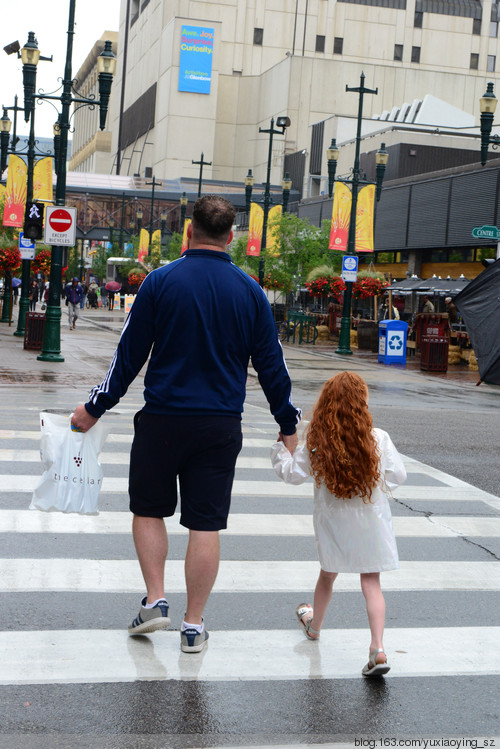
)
(239, 524)
(85, 656)
(100, 576)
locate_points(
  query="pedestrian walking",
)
(74, 294)
(33, 296)
(104, 296)
(84, 295)
(355, 467)
(202, 318)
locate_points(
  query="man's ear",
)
(189, 231)
(230, 237)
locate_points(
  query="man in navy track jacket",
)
(200, 320)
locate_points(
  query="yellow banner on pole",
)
(143, 244)
(42, 180)
(365, 212)
(342, 200)
(156, 236)
(15, 198)
(255, 226)
(185, 243)
(273, 230)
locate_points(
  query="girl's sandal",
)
(373, 668)
(300, 611)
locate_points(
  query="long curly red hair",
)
(342, 447)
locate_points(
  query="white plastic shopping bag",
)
(73, 475)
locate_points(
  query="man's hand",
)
(290, 441)
(82, 420)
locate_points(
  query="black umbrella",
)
(479, 305)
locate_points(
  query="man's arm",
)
(269, 363)
(131, 354)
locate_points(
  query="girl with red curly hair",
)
(355, 467)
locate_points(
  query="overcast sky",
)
(49, 21)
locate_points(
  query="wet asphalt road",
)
(447, 423)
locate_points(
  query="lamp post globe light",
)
(106, 64)
(249, 183)
(332, 155)
(381, 161)
(487, 107)
(286, 185)
(281, 125)
(5, 127)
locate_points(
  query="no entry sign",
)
(60, 226)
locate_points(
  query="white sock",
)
(197, 627)
(152, 605)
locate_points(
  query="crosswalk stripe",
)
(26, 521)
(257, 463)
(13, 483)
(97, 575)
(85, 656)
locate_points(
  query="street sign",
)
(350, 268)
(486, 232)
(60, 226)
(26, 247)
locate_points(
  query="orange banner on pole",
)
(364, 219)
(255, 226)
(341, 214)
(143, 244)
(42, 180)
(185, 243)
(342, 200)
(273, 230)
(15, 197)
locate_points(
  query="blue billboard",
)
(195, 65)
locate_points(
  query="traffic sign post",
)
(350, 268)
(60, 226)
(26, 247)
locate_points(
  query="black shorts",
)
(201, 451)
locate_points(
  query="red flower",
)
(10, 259)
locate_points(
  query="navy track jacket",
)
(202, 319)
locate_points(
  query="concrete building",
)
(204, 76)
(92, 146)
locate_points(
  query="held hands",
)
(82, 421)
(290, 441)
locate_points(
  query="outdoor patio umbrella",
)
(479, 305)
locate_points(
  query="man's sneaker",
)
(149, 620)
(193, 641)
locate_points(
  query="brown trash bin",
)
(33, 332)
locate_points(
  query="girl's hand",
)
(290, 441)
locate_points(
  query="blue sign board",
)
(195, 64)
(26, 247)
(350, 268)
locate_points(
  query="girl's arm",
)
(292, 469)
(393, 469)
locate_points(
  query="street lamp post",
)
(106, 63)
(138, 216)
(183, 202)
(487, 106)
(281, 125)
(151, 211)
(381, 159)
(202, 164)
(286, 184)
(249, 183)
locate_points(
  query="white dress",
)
(351, 535)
